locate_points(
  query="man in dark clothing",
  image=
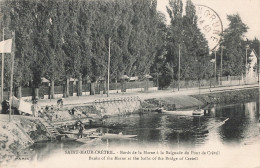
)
(60, 103)
(73, 111)
(80, 131)
(5, 107)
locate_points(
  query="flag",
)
(6, 46)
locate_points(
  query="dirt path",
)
(84, 100)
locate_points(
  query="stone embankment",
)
(230, 97)
(199, 100)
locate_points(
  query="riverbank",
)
(230, 97)
(200, 100)
(18, 134)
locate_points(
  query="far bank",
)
(204, 99)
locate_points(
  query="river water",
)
(164, 130)
(171, 131)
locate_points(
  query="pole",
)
(259, 73)
(215, 66)
(108, 66)
(157, 76)
(221, 58)
(172, 78)
(259, 82)
(2, 75)
(179, 68)
(246, 65)
(12, 71)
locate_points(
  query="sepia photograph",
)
(130, 83)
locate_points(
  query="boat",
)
(119, 136)
(159, 110)
(86, 140)
(179, 112)
(219, 124)
(85, 132)
(214, 127)
(199, 112)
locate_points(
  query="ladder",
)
(54, 134)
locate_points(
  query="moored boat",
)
(180, 112)
(113, 136)
(198, 112)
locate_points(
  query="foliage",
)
(70, 39)
(185, 36)
(235, 46)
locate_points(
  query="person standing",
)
(80, 131)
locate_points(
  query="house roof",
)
(253, 53)
(44, 80)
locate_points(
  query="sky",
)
(249, 11)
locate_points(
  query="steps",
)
(54, 134)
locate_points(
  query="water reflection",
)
(242, 124)
(172, 130)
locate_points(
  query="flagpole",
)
(12, 71)
(2, 76)
(108, 65)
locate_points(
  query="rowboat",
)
(113, 136)
(198, 112)
(117, 136)
(85, 132)
(86, 140)
(184, 112)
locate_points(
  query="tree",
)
(184, 34)
(197, 58)
(175, 35)
(159, 60)
(71, 39)
(235, 47)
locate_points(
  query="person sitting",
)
(60, 102)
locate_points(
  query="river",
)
(171, 131)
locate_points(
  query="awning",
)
(147, 76)
(123, 77)
(44, 80)
(22, 105)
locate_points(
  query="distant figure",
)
(47, 108)
(5, 107)
(90, 122)
(73, 111)
(60, 102)
(103, 121)
(80, 131)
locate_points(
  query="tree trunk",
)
(105, 87)
(19, 92)
(35, 94)
(116, 86)
(92, 88)
(80, 87)
(52, 90)
(66, 88)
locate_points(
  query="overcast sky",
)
(249, 11)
